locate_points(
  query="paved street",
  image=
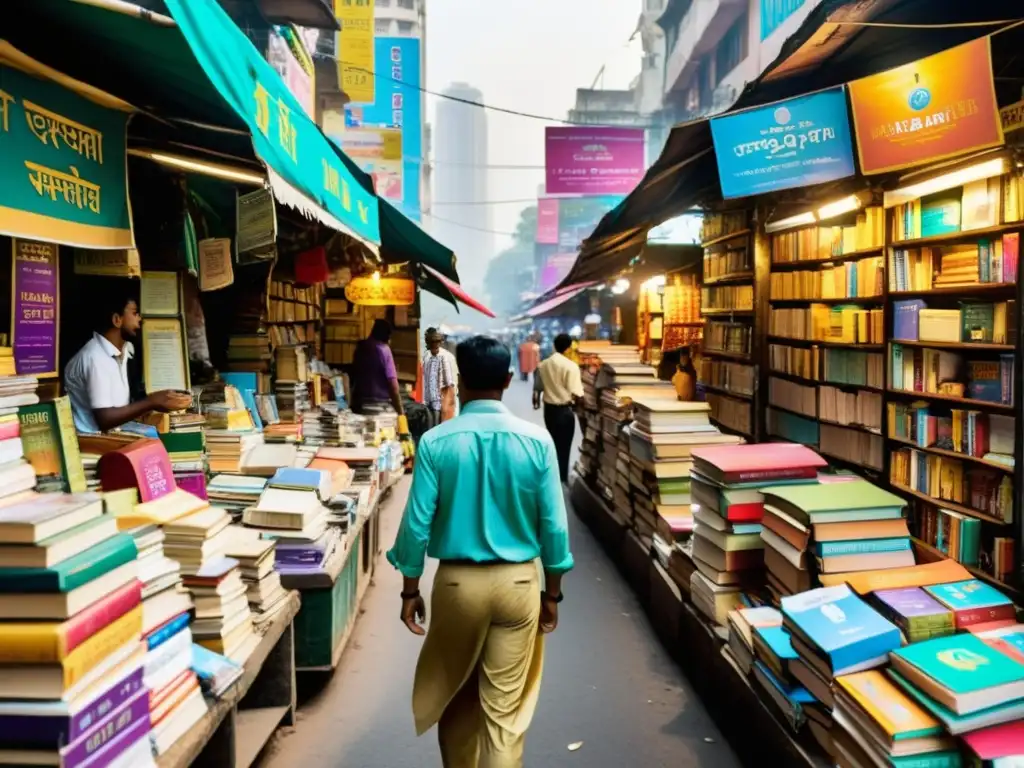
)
(607, 681)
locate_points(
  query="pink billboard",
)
(555, 270)
(547, 221)
(585, 160)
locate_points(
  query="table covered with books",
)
(793, 592)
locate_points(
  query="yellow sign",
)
(379, 291)
(355, 49)
(1012, 116)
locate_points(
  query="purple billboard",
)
(34, 308)
(585, 160)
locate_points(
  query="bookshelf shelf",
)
(692, 324)
(729, 392)
(796, 378)
(830, 301)
(789, 266)
(791, 412)
(727, 312)
(735, 277)
(741, 356)
(964, 345)
(849, 462)
(951, 505)
(855, 427)
(956, 290)
(725, 238)
(954, 455)
(829, 344)
(731, 430)
(957, 237)
(934, 553)
(965, 401)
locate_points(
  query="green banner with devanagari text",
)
(63, 177)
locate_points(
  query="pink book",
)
(143, 464)
(998, 741)
(757, 462)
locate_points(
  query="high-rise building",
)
(460, 175)
(399, 18)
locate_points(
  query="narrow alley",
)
(608, 682)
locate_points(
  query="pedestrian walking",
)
(559, 384)
(374, 376)
(439, 381)
(529, 356)
(486, 502)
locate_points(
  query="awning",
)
(457, 291)
(555, 300)
(839, 41)
(285, 137)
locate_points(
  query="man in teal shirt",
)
(486, 500)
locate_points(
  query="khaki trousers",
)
(478, 675)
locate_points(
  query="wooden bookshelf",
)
(732, 290)
(953, 455)
(963, 510)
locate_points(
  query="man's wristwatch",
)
(547, 595)
(410, 595)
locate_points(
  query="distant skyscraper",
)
(460, 175)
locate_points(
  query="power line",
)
(522, 201)
(470, 226)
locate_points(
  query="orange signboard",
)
(377, 291)
(937, 107)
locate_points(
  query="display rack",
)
(825, 371)
(730, 354)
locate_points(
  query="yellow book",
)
(166, 509)
(888, 706)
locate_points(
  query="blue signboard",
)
(398, 103)
(792, 143)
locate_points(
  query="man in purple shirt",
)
(374, 378)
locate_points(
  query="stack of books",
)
(879, 724)
(185, 442)
(264, 460)
(17, 477)
(918, 615)
(235, 493)
(226, 449)
(223, 620)
(973, 603)
(256, 559)
(742, 623)
(773, 659)
(834, 633)
(292, 399)
(198, 538)
(163, 600)
(361, 461)
(832, 528)
(70, 648)
(728, 549)
(288, 510)
(590, 446)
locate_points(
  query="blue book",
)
(216, 673)
(773, 647)
(790, 699)
(167, 631)
(860, 546)
(973, 602)
(961, 672)
(841, 632)
(906, 319)
(300, 478)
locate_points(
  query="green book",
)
(51, 445)
(959, 724)
(961, 672)
(849, 501)
(673, 486)
(183, 442)
(73, 572)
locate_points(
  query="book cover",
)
(921, 575)
(50, 444)
(776, 641)
(143, 464)
(999, 741)
(73, 572)
(906, 319)
(888, 706)
(851, 634)
(973, 602)
(955, 723)
(49, 642)
(1007, 639)
(757, 462)
(860, 547)
(97, 648)
(835, 502)
(47, 514)
(131, 714)
(960, 664)
(166, 631)
(916, 612)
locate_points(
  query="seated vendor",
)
(96, 379)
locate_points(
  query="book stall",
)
(161, 581)
(831, 535)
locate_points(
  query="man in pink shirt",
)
(529, 356)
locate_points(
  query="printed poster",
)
(791, 143)
(585, 160)
(355, 49)
(35, 307)
(934, 108)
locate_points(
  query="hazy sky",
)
(526, 55)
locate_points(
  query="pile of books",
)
(198, 538)
(291, 507)
(71, 645)
(841, 526)
(741, 624)
(728, 550)
(234, 493)
(292, 399)
(587, 461)
(226, 449)
(17, 477)
(185, 442)
(163, 600)
(265, 459)
(256, 557)
(223, 620)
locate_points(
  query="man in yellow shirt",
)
(559, 382)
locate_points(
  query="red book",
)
(757, 462)
(990, 744)
(100, 614)
(143, 465)
(10, 429)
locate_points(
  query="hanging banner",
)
(355, 49)
(937, 107)
(62, 169)
(593, 160)
(1012, 116)
(791, 143)
(34, 308)
(378, 151)
(547, 221)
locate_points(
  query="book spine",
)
(864, 546)
(74, 472)
(782, 473)
(64, 578)
(924, 627)
(162, 634)
(106, 731)
(98, 647)
(967, 617)
(102, 614)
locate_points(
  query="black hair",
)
(562, 342)
(381, 330)
(113, 301)
(483, 363)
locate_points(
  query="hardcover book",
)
(914, 611)
(973, 602)
(761, 462)
(143, 464)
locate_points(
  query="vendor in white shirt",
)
(96, 379)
